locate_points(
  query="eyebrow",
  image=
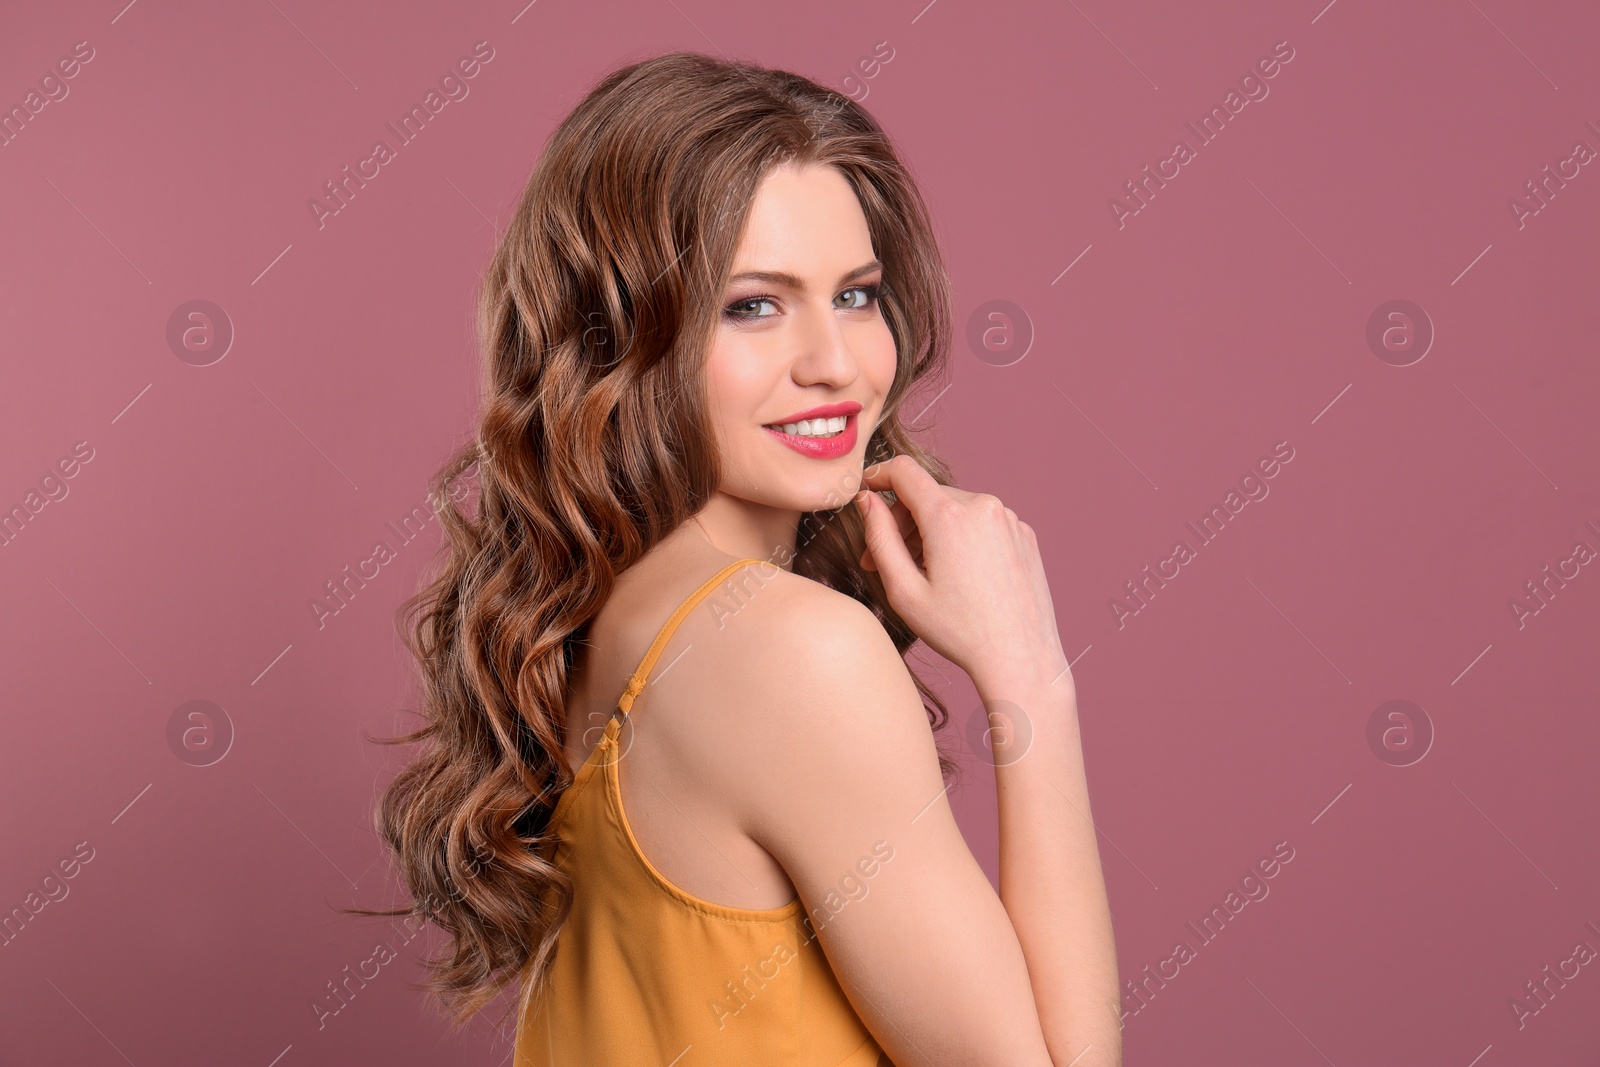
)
(783, 277)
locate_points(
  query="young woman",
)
(682, 789)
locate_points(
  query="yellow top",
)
(647, 974)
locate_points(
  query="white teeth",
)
(816, 427)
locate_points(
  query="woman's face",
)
(800, 330)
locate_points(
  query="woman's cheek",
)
(884, 362)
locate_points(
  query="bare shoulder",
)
(815, 703)
(800, 643)
(801, 636)
(821, 751)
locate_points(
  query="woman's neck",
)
(744, 529)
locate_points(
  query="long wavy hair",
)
(593, 445)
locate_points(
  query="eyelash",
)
(874, 292)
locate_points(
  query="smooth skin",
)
(782, 737)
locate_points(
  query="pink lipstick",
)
(840, 444)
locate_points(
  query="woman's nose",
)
(825, 355)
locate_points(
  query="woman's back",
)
(686, 942)
(686, 704)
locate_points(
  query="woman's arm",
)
(965, 574)
(817, 739)
(1050, 877)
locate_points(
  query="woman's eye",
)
(739, 309)
(868, 294)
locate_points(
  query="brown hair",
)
(593, 445)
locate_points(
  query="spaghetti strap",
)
(642, 674)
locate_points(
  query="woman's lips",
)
(841, 444)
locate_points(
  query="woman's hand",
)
(964, 573)
(908, 533)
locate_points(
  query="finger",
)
(911, 484)
(903, 519)
(908, 530)
(887, 548)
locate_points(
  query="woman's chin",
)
(825, 496)
(808, 498)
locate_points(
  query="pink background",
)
(1229, 314)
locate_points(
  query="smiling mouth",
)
(815, 428)
(820, 438)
